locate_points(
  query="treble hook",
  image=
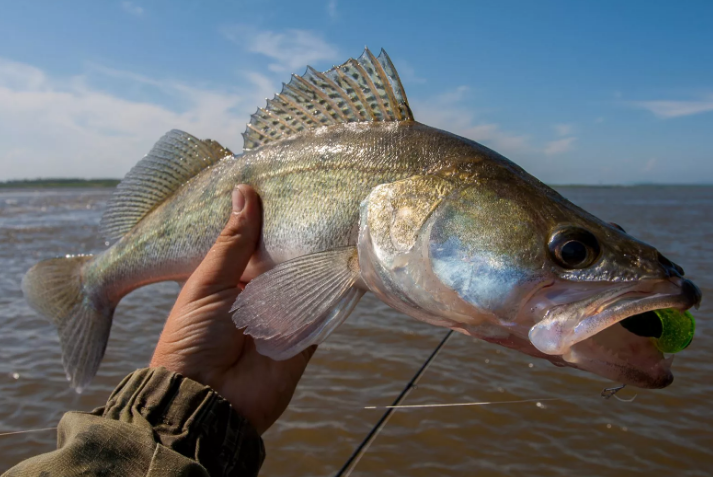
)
(609, 392)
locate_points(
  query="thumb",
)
(225, 262)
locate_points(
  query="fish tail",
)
(55, 288)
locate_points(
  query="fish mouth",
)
(583, 334)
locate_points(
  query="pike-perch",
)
(358, 196)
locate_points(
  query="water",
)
(372, 356)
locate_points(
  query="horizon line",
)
(40, 180)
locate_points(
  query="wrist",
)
(187, 417)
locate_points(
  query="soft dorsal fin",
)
(174, 159)
(367, 89)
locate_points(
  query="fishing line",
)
(483, 403)
(626, 400)
(354, 459)
(29, 430)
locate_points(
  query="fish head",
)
(612, 304)
(514, 263)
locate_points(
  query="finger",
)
(225, 262)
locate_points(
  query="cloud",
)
(559, 146)
(53, 126)
(130, 76)
(407, 73)
(674, 109)
(20, 76)
(64, 127)
(447, 111)
(132, 9)
(292, 50)
(491, 135)
(563, 129)
(650, 165)
(332, 9)
(263, 86)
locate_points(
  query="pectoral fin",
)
(299, 302)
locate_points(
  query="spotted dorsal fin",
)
(367, 89)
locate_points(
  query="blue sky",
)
(575, 92)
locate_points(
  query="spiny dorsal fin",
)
(173, 160)
(367, 89)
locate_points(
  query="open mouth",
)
(625, 332)
(640, 308)
(623, 357)
(646, 324)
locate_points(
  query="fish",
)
(358, 196)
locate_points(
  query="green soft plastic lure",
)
(677, 332)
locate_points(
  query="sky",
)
(604, 92)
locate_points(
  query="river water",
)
(370, 358)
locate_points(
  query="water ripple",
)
(372, 356)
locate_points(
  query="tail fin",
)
(54, 288)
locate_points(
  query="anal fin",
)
(300, 302)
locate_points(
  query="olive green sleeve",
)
(155, 423)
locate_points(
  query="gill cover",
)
(485, 247)
(449, 256)
(392, 258)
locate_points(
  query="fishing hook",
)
(609, 392)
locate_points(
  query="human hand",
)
(200, 340)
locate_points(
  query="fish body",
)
(310, 187)
(358, 196)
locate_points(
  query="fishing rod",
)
(354, 459)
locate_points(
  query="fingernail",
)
(238, 200)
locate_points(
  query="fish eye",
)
(574, 247)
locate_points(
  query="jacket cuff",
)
(189, 418)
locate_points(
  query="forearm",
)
(155, 423)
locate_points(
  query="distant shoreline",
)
(105, 183)
(59, 183)
(621, 186)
